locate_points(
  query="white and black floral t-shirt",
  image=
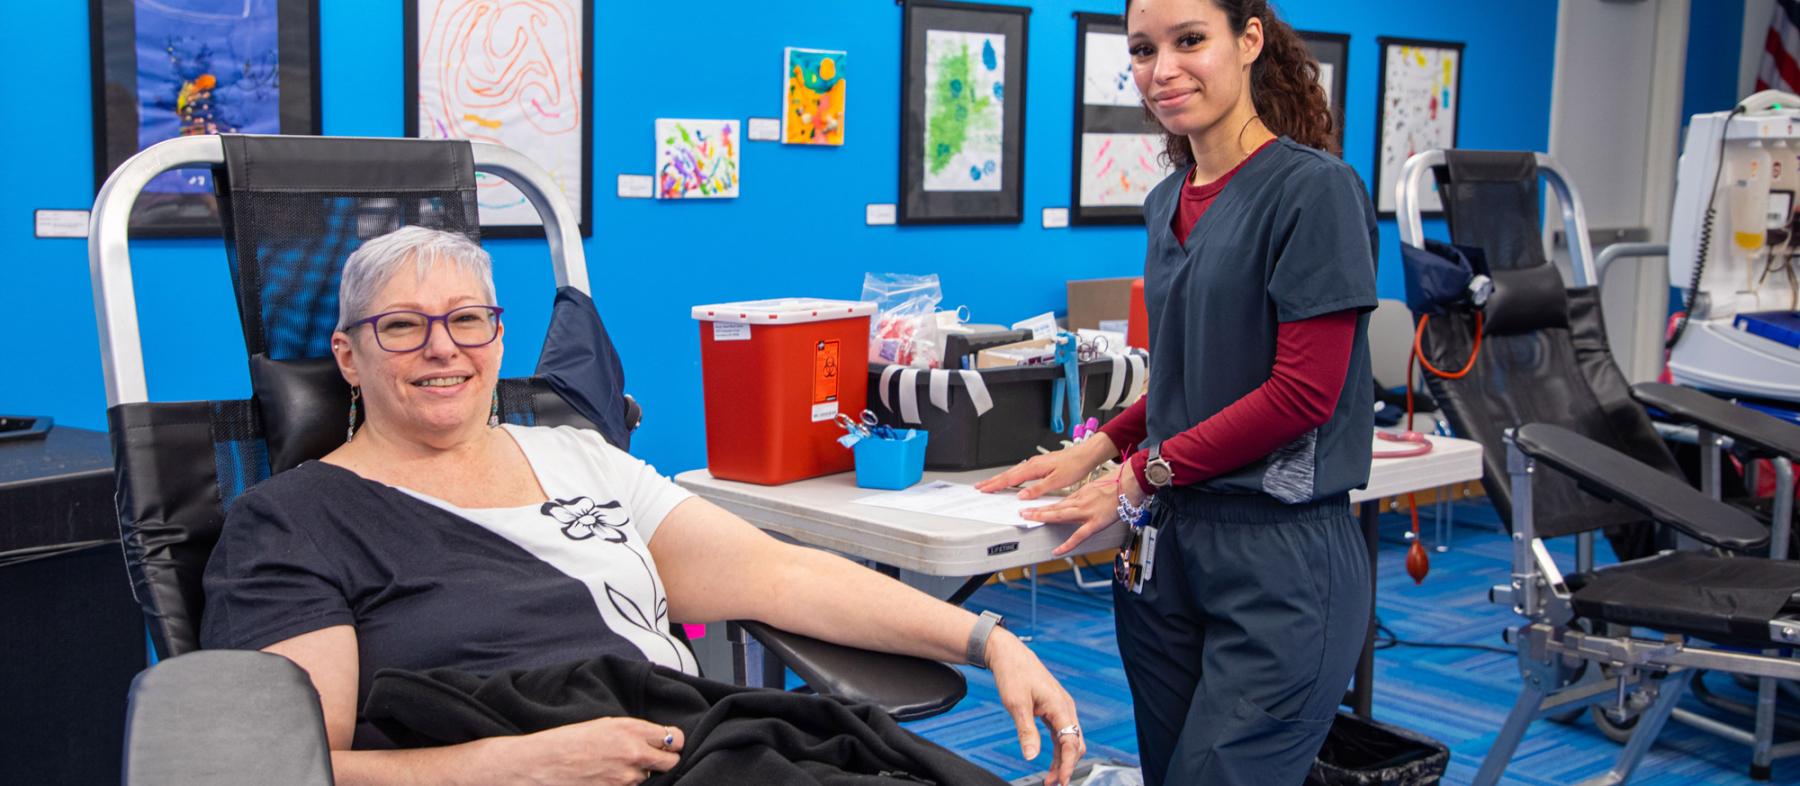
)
(429, 585)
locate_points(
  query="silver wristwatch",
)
(1157, 470)
(976, 651)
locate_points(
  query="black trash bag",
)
(1362, 752)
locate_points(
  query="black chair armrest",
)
(1614, 476)
(222, 718)
(908, 688)
(1746, 427)
(634, 413)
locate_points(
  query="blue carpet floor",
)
(1458, 696)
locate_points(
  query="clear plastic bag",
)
(905, 329)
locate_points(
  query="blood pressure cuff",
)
(1437, 276)
(1525, 300)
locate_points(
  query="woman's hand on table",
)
(1052, 471)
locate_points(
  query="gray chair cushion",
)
(225, 718)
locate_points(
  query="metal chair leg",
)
(1524, 711)
(1649, 725)
(1760, 750)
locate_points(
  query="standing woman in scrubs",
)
(1259, 278)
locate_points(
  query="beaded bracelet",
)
(1134, 515)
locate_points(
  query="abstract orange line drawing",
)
(508, 72)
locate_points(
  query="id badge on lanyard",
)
(1137, 558)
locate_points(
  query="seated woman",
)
(435, 537)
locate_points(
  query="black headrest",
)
(304, 404)
(1524, 300)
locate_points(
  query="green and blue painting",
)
(965, 99)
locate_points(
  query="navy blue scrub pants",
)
(1240, 646)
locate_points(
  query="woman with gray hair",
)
(436, 537)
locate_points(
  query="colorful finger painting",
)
(965, 92)
(812, 97)
(508, 72)
(205, 68)
(696, 159)
(1120, 169)
(1418, 112)
(1106, 71)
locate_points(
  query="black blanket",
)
(734, 735)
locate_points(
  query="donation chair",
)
(1751, 436)
(1581, 623)
(1543, 359)
(293, 210)
(1543, 354)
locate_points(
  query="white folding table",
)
(821, 512)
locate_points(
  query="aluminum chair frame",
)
(1645, 677)
(109, 257)
(1712, 447)
(1589, 270)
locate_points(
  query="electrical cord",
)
(1386, 640)
(1705, 244)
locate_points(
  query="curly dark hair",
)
(1284, 84)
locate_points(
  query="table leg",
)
(968, 588)
(1032, 631)
(1362, 693)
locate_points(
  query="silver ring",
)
(1073, 728)
(668, 740)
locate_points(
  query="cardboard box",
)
(1099, 299)
(1014, 354)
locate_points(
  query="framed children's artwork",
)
(1420, 96)
(167, 69)
(697, 159)
(1332, 50)
(1118, 150)
(515, 73)
(812, 96)
(962, 113)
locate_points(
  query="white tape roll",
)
(1140, 380)
(887, 375)
(1115, 389)
(940, 389)
(978, 392)
(909, 395)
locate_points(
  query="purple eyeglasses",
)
(405, 331)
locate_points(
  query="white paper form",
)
(955, 500)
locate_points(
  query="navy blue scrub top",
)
(1292, 236)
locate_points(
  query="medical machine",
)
(1733, 245)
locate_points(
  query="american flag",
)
(1781, 50)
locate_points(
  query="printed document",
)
(956, 500)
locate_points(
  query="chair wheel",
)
(1614, 730)
(1760, 773)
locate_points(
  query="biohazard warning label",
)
(825, 382)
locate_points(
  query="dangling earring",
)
(494, 411)
(355, 398)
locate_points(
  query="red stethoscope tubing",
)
(1420, 444)
(1417, 563)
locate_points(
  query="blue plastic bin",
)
(891, 463)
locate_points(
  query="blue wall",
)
(651, 261)
(1715, 38)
